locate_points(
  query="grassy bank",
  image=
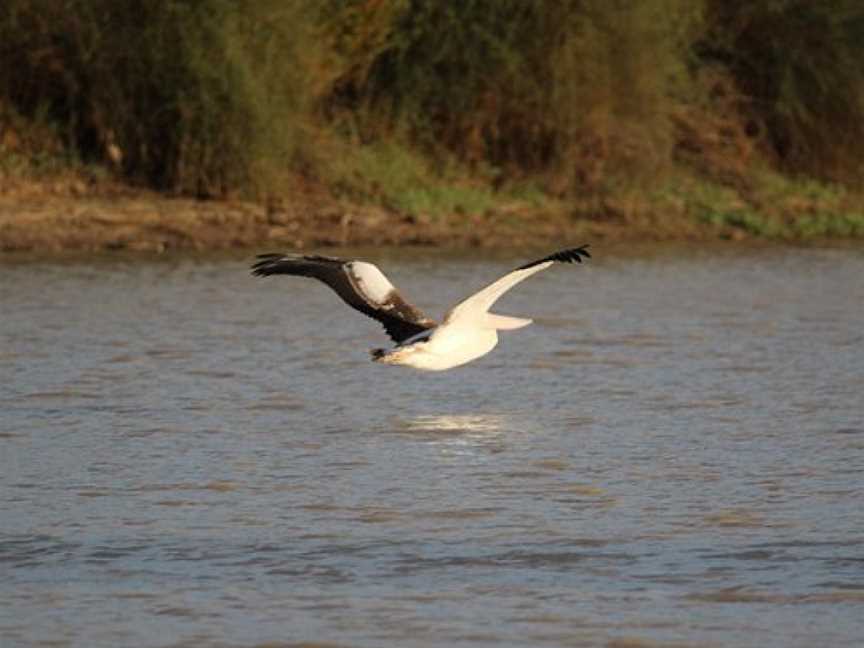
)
(745, 118)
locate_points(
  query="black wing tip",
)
(270, 263)
(570, 255)
(266, 263)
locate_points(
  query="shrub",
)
(802, 64)
(198, 96)
(577, 90)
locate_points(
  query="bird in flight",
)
(467, 332)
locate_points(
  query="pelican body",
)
(467, 332)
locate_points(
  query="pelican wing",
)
(361, 285)
(479, 303)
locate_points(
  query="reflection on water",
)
(456, 433)
(459, 424)
(670, 456)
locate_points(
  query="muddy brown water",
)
(672, 455)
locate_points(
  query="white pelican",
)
(467, 332)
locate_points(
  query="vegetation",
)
(748, 114)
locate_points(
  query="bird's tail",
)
(505, 322)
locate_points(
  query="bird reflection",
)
(456, 424)
(458, 434)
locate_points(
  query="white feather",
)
(469, 331)
(375, 286)
(477, 305)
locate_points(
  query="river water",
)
(672, 455)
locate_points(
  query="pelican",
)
(467, 332)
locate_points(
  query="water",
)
(673, 455)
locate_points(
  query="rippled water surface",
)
(673, 455)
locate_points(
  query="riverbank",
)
(149, 222)
(72, 211)
(65, 213)
(126, 219)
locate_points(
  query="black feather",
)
(400, 319)
(265, 264)
(570, 255)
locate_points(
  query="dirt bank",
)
(144, 221)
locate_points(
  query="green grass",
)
(777, 207)
(850, 225)
(398, 178)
